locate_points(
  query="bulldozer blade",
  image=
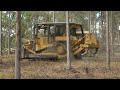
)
(40, 56)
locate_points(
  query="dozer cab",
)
(49, 41)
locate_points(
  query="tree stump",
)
(86, 69)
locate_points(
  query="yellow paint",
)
(60, 38)
(76, 43)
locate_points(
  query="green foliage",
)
(30, 18)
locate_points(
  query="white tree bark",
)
(68, 41)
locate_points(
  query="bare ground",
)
(94, 68)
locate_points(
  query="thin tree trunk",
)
(118, 34)
(6, 38)
(111, 34)
(47, 17)
(107, 40)
(0, 33)
(95, 28)
(114, 30)
(89, 21)
(102, 27)
(53, 16)
(0, 36)
(9, 33)
(114, 26)
(5, 29)
(18, 45)
(68, 41)
(54, 25)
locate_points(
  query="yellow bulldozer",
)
(49, 41)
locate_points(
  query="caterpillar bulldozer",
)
(49, 41)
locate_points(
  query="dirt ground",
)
(87, 68)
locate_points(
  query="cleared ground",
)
(87, 68)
